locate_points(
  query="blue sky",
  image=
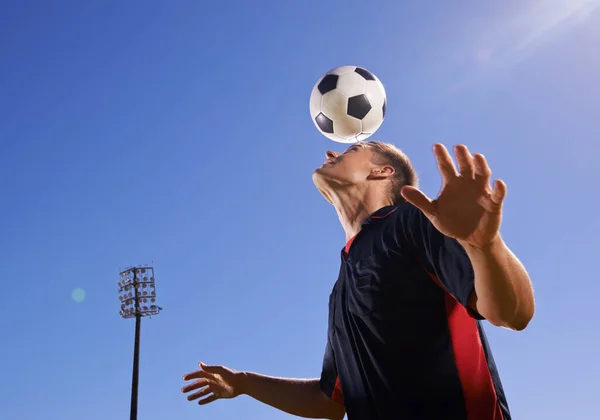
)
(178, 133)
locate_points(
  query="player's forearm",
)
(504, 295)
(300, 397)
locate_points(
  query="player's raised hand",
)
(211, 383)
(467, 207)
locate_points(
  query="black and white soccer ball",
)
(348, 104)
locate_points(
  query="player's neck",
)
(354, 207)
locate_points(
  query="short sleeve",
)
(443, 257)
(328, 372)
(330, 383)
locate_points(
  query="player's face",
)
(350, 167)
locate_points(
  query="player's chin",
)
(323, 172)
(320, 176)
(322, 183)
(327, 177)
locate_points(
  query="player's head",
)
(368, 165)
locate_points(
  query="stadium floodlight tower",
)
(137, 294)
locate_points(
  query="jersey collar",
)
(382, 213)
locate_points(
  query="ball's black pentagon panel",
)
(358, 106)
(324, 123)
(328, 83)
(364, 73)
(383, 108)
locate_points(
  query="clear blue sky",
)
(179, 133)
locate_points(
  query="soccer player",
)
(417, 276)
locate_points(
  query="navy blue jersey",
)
(402, 343)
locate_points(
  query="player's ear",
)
(382, 172)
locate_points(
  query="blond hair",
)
(388, 154)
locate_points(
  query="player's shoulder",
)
(398, 224)
(408, 220)
(406, 208)
(407, 213)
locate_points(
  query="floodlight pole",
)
(134, 303)
(136, 366)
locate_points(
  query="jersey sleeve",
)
(329, 381)
(443, 257)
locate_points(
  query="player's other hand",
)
(467, 207)
(212, 383)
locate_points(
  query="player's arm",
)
(503, 293)
(484, 275)
(491, 282)
(310, 398)
(299, 397)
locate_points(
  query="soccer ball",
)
(347, 104)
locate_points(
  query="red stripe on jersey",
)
(478, 388)
(385, 215)
(348, 245)
(337, 395)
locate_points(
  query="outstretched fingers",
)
(418, 199)
(199, 374)
(444, 162)
(202, 393)
(482, 170)
(203, 385)
(209, 368)
(208, 399)
(464, 159)
(203, 379)
(195, 385)
(499, 192)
